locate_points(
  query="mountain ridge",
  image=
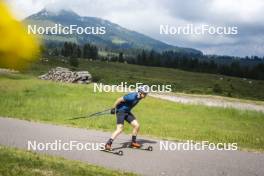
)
(116, 37)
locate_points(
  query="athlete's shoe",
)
(135, 145)
(108, 147)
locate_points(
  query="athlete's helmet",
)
(143, 89)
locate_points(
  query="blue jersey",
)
(130, 100)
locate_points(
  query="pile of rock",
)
(60, 74)
(5, 70)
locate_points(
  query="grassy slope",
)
(181, 81)
(26, 97)
(15, 162)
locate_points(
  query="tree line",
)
(170, 59)
(196, 63)
(74, 51)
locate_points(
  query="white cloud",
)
(246, 11)
(146, 16)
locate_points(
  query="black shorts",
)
(122, 116)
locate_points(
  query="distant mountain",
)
(115, 36)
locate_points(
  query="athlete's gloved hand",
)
(112, 111)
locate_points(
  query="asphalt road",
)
(17, 133)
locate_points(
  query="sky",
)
(146, 16)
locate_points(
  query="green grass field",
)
(26, 97)
(14, 162)
(181, 81)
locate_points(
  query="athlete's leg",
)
(119, 129)
(136, 126)
(132, 120)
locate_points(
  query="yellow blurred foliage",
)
(17, 47)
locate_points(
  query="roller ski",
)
(109, 149)
(135, 145)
